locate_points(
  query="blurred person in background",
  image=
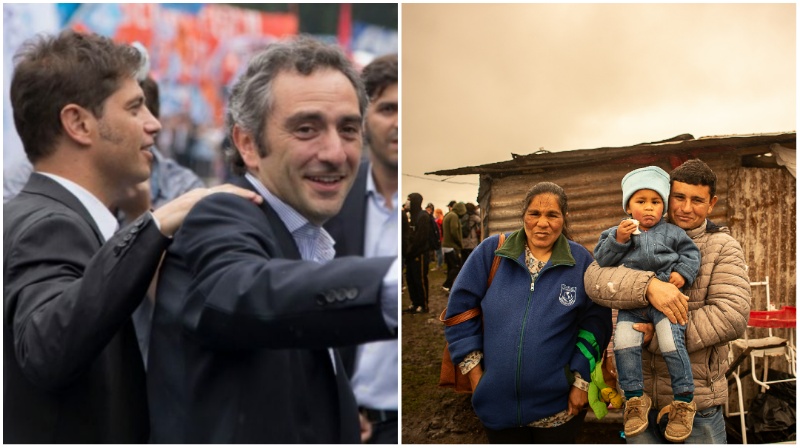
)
(452, 243)
(418, 261)
(437, 242)
(367, 226)
(438, 216)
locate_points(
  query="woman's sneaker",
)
(635, 415)
(681, 418)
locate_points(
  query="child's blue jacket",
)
(662, 249)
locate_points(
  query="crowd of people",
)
(137, 311)
(430, 236)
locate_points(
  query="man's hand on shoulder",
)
(170, 216)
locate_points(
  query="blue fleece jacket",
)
(536, 333)
(664, 248)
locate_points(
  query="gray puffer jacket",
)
(719, 304)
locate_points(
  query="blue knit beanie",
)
(649, 177)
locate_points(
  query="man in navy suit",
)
(251, 304)
(72, 368)
(367, 225)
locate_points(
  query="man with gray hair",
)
(251, 305)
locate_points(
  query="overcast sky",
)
(482, 81)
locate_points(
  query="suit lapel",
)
(39, 184)
(282, 234)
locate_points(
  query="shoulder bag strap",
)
(474, 312)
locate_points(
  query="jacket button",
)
(351, 293)
(330, 297)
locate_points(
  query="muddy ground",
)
(435, 415)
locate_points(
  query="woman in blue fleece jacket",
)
(541, 335)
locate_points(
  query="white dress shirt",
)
(102, 216)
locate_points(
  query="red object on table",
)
(786, 317)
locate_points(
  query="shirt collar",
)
(101, 215)
(314, 242)
(292, 219)
(372, 192)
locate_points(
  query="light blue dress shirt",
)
(375, 380)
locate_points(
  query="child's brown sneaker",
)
(681, 419)
(635, 415)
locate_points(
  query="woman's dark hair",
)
(555, 190)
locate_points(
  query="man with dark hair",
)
(715, 307)
(72, 369)
(452, 242)
(251, 303)
(367, 226)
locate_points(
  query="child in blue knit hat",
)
(645, 241)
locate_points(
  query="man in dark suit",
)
(71, 364)
(367, 226)
(250, 303)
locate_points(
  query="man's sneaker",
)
(419, 309)
(446, 289)
(635, 415)
(681, 418)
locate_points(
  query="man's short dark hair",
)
(380, 74)
(54, 71)
(151, 98)
(251, 96)
(695, 172)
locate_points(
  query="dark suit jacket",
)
(348, 227)
(71, 364)
(348, 230)
(241, 328)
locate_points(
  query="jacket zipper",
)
(518, 374)
(521, 336)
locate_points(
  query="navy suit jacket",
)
(348, 230)
(72, 368)
(241, 329)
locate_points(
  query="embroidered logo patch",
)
(568, 295)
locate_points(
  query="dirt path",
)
(435, 415)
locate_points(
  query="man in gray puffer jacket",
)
(715, 308)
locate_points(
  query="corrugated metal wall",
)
(763, 219)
